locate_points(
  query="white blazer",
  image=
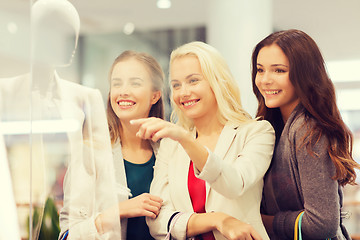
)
(89, 184)
(233, 174)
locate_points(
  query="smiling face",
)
(191, 92)
(272, 80)
(131, 91)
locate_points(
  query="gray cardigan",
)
(298, 180)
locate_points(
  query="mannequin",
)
(42, 95)
(52, 22)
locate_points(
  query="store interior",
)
(37, 157)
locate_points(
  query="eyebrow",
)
(190, 75)
(274, 65)
(136, 78)
(131, 79)
(187, 77)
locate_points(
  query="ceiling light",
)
(163, 4)
(129, 28)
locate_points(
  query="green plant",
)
(49, 228)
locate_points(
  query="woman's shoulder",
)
(253, 126)
(301, 124)
(302, 128)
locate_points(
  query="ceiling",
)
(334, 24)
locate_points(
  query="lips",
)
(190, 102)
(126, 103)
(272, 92)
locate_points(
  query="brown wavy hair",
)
(316, 92)
(157, 77)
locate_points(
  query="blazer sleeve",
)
(251, 160)
(160, 187)
(321, 199)
(89, 184)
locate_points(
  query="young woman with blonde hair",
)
(211, 163)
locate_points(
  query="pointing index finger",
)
(138, 121)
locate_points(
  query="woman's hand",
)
(229, 227)
(143, 205)
(234, 229)
(156, 128)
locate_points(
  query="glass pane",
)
(14, 106)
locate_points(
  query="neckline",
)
(141, 164)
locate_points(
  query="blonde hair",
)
(157, 78)
(216, 71)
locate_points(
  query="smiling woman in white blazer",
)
(210, 166)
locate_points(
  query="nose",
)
(266, 78)
(124, 90)
(184, 91)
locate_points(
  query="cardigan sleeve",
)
(319, 191)
(160, 187)
(250, 165)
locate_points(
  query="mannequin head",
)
(53, 23)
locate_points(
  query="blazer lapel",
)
(225, 140)
(120, 175)
(179, 174)
(223, 144)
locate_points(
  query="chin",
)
(271, 106)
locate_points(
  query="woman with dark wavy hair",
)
(313, 154)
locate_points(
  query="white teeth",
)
(126, 103)
(272, 92)
(189, 103)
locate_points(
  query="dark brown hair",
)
(316, 92)
(157, 77)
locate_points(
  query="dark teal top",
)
(139, 177)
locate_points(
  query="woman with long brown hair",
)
(136, 82)
(313, 154)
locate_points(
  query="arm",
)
(228, 226)
(146, 205)
(249, 167)
(246, 166)
(155, 129)
(188, 224)
(320, 194)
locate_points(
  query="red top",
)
(197, 192)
